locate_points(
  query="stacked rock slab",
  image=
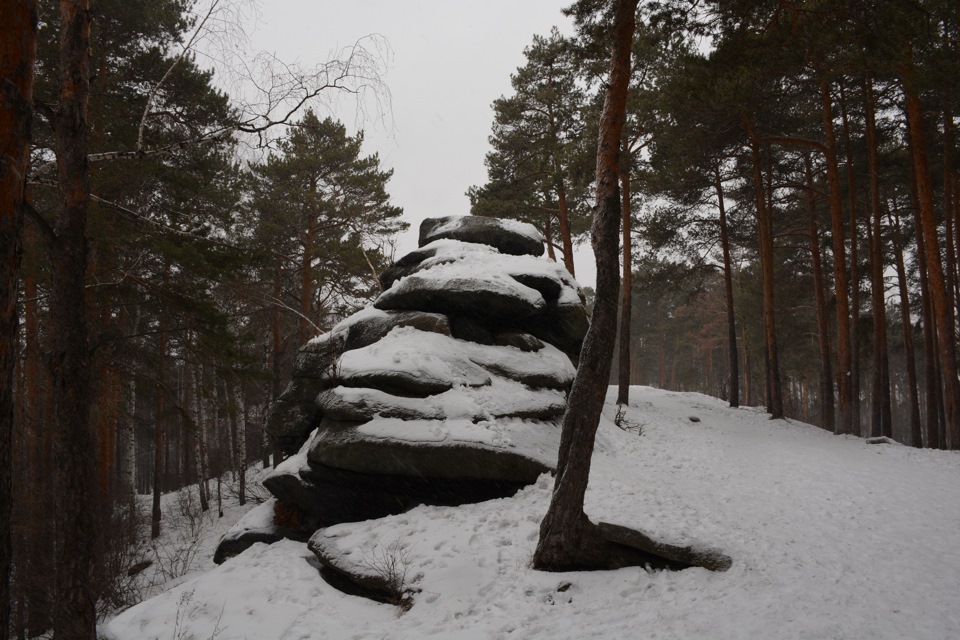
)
(447, 390)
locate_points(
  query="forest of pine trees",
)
(789, 190)
(787, 186)
(215, 242)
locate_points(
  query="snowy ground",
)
(830, 538)
(188, 536)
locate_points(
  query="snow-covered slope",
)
(830, 538)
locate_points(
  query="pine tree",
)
(536, 169)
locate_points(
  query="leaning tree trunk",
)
(734, 359)
(626, 297)
(74, 448)
(567, 538)
(18, 47)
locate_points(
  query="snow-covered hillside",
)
(830, 538)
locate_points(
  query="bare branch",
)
(186, 49)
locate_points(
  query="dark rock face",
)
(478, 296)
(505, 236)
(350, 448)
(372, 328)
(447, 390)
(518, 339)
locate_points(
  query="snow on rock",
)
(507, 236)
(449, 289)
(257, 525)
(422, 356)
(510, 451)
(448, 390)
(453, 277)
(501, 398)
(830, 538)
(413, 361)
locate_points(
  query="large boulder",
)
(508, 450)
(448, 389)
(296, 412)
(506, 236)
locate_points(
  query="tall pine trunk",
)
(200, 449)
(159, 426)
(126, 429)
(236, 460)
(74, 446)
(765, 233)
(733, 357)
(18, 47)
(881, 421)
(827, 417)
(916, 434)
(626, 288)
(277, 350)
(950, 212)
(567, 538)
(564, 218)
(854, 269)
(845, 400)
(931, 368)
(938, 288)
(306, 274)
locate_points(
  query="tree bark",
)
(626, 288)
(18, 48)
(236, 461)
(242, 451)
(734, 358)
(916, 434)
(937, 282)
(159, 423)
(567, 538)
(844, 387)
(950, 212)
(881, 422)
(74, 448)
(854, 271)
(548, 235)
(931, 363)
(564, 217)
(277, 352)
(765, 232)
(126, 432)
(823, 330)
(747, 368)
(200, 448)
(306, 274)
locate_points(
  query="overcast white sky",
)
(451, 60)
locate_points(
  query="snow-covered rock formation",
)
(447, 390)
